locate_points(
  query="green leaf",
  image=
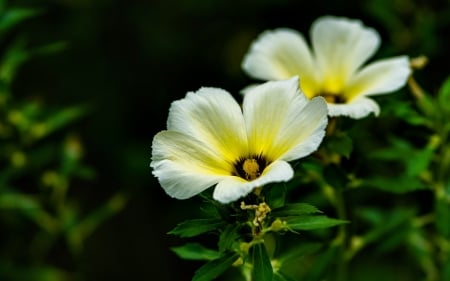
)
(442, 211)
(12, 17)
(340, 144)
(57, 120)
(275, 195)
(196, 227)
(215, 268)
(295, 209)
(30, 207)
(79, 230)
(262, 268)
(335, 176)
(14, 57)
(444, 95)
(195, 251)
(32, 273)
(322, 264)
(401, 184)
(279, 276)
(228, 237)
(311, 222)
(298, 252)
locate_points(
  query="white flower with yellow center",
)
(210, 140)
(333, 69)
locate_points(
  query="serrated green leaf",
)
(262, 267)
(215, 268)
(311, 222)
(195, 251)
(196, 227)
(295, 209)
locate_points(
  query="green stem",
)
(342, 237)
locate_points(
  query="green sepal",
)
(191, 228)
(311, 222)
(262, 268)
(195, 251)
(215, 268)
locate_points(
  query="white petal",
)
(281, 122)
(281, 54)
(380, 77)
(212, 117)
(357, 108)
(341, 46)
(184, 166)
(232, 188)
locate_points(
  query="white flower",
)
(209, 140)
(333, 68)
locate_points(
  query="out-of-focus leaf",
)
(13, 16)
(340, 144)
(41, 273)
(401, 184)
(195, 251)
(215, 268)
(384, 223)
(262, 268)
(29, 207)
(298, 252)
(191, 228)
(335, 176)
(12, 59)
(444, 96)
(321, 264)
(57, 121)
(279, 276)
(311, 222)
(442, 211)
(295, 209)
(78, 231)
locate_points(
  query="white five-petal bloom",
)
(332, 68)
(210, 140)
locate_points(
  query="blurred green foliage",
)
(77, 118)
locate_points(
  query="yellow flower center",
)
(249, 168)
(333, 98)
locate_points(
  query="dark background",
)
(130, 59)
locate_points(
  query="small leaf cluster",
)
(244, 239)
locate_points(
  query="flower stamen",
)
(250, 168)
